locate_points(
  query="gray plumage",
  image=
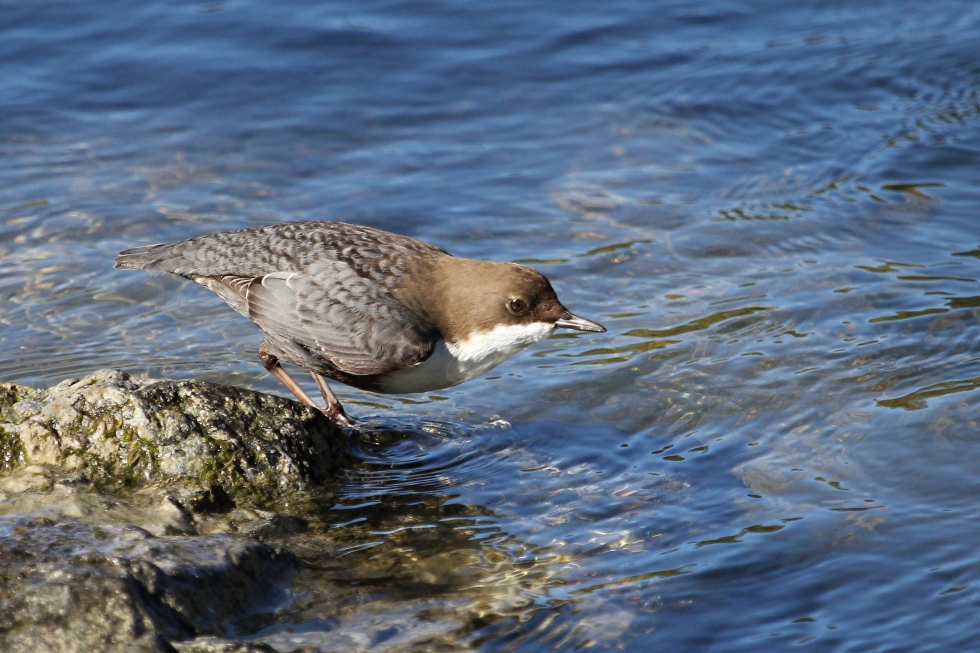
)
(323, 293)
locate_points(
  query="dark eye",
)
(517, 306)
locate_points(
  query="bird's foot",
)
(337, 414)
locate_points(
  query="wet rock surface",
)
(69, 585)
(128, 510)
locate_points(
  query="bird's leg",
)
(271, 363)
(333, 410)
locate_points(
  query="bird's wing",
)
(353, 323)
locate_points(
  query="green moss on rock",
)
(123, 434)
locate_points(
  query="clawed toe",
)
(337, 414)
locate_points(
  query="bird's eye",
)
(517, 306)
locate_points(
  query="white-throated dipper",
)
(369, 308)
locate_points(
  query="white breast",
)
(453, 363)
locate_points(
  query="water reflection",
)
(399, 537)
(917, 400)
(578, 549)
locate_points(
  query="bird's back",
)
(283, 247)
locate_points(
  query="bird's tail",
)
(150, 257)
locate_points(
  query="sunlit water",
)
(772, 206)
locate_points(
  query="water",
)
(772, 207)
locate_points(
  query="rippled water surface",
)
(772, 206)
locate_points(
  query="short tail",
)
(150, 257)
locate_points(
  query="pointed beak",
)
(579, 324)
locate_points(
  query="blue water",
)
(772, 206)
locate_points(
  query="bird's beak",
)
(579, 324)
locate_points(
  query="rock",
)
(67, 585)
(123, 505)
(233, 446)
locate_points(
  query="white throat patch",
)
(454, 363)
(500, 342)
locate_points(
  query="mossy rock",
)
(253, 449)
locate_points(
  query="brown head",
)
(464, 296)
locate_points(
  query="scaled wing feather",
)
(351, 323)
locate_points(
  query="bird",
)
(374, 310)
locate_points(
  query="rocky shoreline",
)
(132, 512)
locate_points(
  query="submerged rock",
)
(69, 585)
(122, 508)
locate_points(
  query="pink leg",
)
(334, 410)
